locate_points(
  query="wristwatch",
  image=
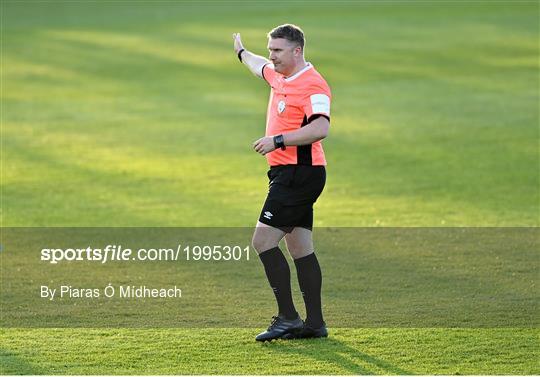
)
(279, 142)
(239, 53)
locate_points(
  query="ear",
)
(298, 51)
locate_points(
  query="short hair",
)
(290, 32)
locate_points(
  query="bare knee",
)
(266, 237)
(299, 243)
(294, 248)
(298, 251)
(260, 243)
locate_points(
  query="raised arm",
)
(254, 62)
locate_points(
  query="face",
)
(283, 54)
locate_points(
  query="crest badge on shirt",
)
(281, 106)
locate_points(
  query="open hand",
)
(237, 42)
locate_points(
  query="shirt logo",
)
(268, 215)
(281, 106)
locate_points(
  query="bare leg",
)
(299, 242)
(266, 237)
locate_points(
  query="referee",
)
(298, 118)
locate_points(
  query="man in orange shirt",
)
(298, 118)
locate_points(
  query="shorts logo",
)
(268, 215)
(281, 106)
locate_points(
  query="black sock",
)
(279, 275)
(310, 280)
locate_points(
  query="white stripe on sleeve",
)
(320, 104)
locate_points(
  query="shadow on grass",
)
(12, 364)
(338, 354)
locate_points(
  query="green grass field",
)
(117, 114)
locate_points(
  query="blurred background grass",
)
(139, 114)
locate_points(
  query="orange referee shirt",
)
(293, 102)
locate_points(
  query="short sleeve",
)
(268, 73)
(317, 102)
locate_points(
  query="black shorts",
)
(292, 191)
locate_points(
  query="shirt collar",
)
(291, 78)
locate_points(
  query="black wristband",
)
(240, 54)
(279, 142)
